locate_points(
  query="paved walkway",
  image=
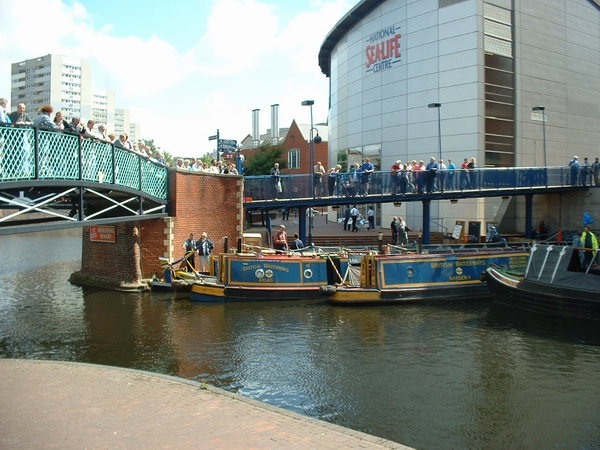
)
(57, 405)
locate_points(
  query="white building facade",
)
(485, 67)
(66, 83)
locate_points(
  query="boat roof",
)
(559, 265)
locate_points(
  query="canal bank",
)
(48, 404)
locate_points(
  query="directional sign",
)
(212, 138)
(228, 142)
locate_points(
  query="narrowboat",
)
(268, 276)
(404, 278)
(554, 282)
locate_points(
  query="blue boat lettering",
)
(252, 267)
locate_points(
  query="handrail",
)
(30, 153)
(502, 180)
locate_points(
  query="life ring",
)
(308, 273)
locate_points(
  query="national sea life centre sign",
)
(383, 49)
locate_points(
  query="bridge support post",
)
(426, 220)
(528, 215)
(302, 226)
(269, 226)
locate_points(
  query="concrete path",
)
(57, 405)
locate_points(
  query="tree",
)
(263, 161)
(206, 158)
(150, 143)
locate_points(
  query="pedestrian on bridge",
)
(596, 172)
(276, 178)
(430, 174)
(574, 165)
(367, 170)
(318, 173)
(43, 120)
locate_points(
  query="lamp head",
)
(317, 139)
(308, 102)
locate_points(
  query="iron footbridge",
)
(53, 180)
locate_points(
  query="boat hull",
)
(542, 298)
(209, 292)
(268, 278)
(425, 278)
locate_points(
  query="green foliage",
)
(168, 157)
(262, 162)
(206, 158)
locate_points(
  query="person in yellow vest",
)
(589, 241)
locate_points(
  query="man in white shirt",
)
(354, 216)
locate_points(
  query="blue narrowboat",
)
(404, 278)
(269, 277)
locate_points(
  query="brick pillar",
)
(112, 265)
(198, 202)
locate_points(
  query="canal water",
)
(440, 376)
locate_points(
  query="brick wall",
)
(197, 202)
(104, 259)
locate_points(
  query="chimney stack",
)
(275, 124)
(255, 128)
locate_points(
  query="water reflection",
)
(471, 375)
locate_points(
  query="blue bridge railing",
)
(503, 180)
(28, 153)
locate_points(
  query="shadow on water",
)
(502, 317)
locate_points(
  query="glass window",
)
(294, 159)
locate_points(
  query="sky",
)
(185, 68)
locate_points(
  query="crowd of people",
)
(197, 165)
(412, 177)
(584, 174)
(47, 119)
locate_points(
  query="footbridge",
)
(305, 192)
(51, 180)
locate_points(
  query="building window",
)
(499, 87)
(294, 159)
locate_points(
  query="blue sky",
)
(185, 68)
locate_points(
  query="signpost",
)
(227, 145)
(223, 145)
(215, 137)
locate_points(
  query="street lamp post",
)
(543, 110)
(438, 106)
(311, 163)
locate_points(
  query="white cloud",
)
(239, 33)
(247, 56)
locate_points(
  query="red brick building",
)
(295, 141)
